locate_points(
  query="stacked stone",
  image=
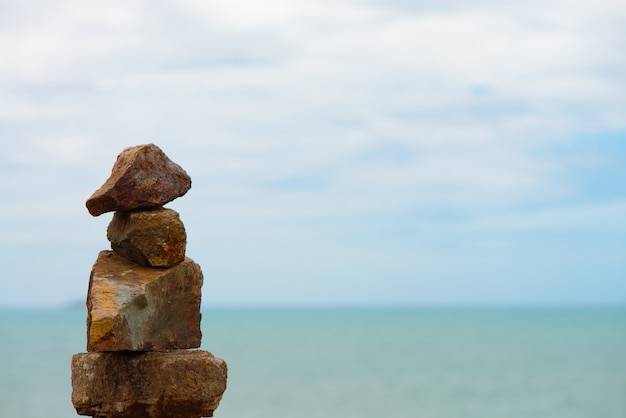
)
(143, 303)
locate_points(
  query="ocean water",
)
(348, 363)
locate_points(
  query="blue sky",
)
(341, 152)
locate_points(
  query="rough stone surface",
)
(142, 177)
(154, 238)
(176, 384)
(131, 307)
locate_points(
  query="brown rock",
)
(142, 177)
(176, 384)
(154, 238)
(131, 307)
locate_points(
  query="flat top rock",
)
(142, 177)
(137, 308)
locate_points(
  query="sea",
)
(361, 362)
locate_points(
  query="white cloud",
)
(308, 111)
(340, 77)
(601, 218)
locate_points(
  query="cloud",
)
(307, 89)
(315, 119)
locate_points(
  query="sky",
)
(344, 152)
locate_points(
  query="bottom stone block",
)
(155, 384)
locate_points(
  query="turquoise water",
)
(344, 363)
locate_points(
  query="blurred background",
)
(355, 152)
(394, 156)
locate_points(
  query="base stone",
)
(163, 384)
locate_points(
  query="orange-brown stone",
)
(137, 308)
(154, 238)
(174, 384)
(142, 177)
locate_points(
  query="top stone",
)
(143, 177)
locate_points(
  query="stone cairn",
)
(143, 303)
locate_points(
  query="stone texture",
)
(154, 238)
(131, 307)
(142, 177)
(176, 384)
